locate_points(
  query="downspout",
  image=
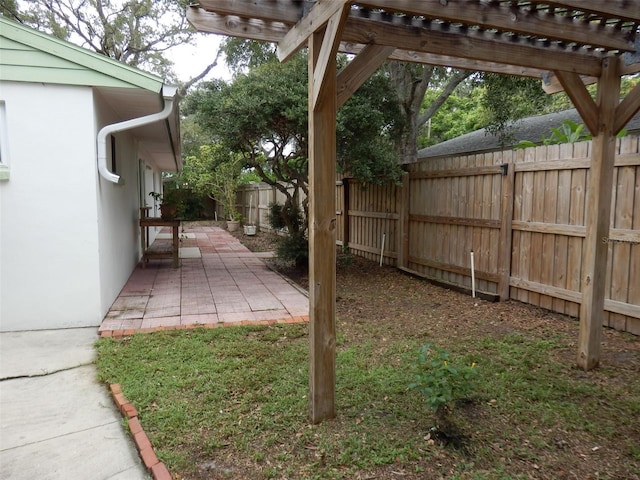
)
(168, 93)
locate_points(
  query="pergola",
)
(566, 43)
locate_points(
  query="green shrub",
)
(294, 248)
(439, 379)
(286, 216)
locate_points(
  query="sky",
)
(190, 60)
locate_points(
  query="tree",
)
(461, 113)
(217, 173)
(242, 55)
(192, 136)
(508, 99)
(411, 82)
(135, 32)
(9, 9)
(263, 116)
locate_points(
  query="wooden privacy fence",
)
(253, 201)
(522, 213)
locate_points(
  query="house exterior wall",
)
(49, 250)
(69, 239)
(119, 209)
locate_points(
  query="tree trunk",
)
(411, 82)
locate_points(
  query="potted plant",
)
(234, 223)
(169, 203)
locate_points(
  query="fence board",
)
(563, 204)
(526, 216)
(633, 324)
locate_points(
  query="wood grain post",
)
(598, 219)
(506, 232)
(322, 237)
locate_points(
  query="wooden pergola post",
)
(322, 236)
(598, 217)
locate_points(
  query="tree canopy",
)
(263, 116)
(136, 32)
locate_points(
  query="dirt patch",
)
(262, 241)
(381, 304)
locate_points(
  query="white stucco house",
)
(83, 140)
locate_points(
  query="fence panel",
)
(532, 213)
(456, 210)
(372, 219)
(456, 204)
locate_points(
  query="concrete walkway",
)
(56, 421)
(219, 282)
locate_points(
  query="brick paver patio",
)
(219, 283)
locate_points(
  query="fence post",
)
(345, 213)
(506, 232)
(403, 231)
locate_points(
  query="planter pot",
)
(250, 230)
(232, 225)
(168, 212)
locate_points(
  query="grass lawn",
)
(231, 403)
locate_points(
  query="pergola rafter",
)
(501, 17)
(578, 41)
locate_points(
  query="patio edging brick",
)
(154, 466)
(274, 321)
(157, 469)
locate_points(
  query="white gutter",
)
(168, 93)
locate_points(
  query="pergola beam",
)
(269, 10)
(449, 61)
(551, 84)
(490, 16)
(433, 39)
(502, 18)
(579, 95)
(359, 70)
(327, 55)
(320, 14)
(622, 9)
(235, 26)
(630, 69)
(627, 109)
(271, 31)
(476, 45)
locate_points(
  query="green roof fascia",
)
(120, 73)
(60, 76)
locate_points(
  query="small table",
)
(147, 222)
